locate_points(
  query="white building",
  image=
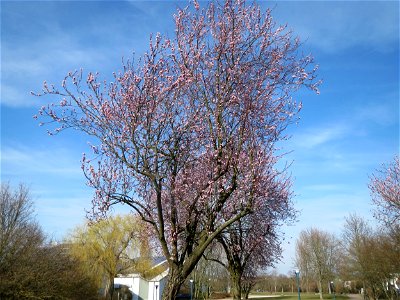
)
(142, 288)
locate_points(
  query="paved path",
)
(259, 296)
(355, 296)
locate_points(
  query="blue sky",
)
(344, 134)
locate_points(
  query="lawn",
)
(304, 296)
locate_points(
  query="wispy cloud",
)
(14, 97)
(360, 119)
(384, 112)
(58, 188)
(36, 64)
(313, 137)
(56, 183)
(55, 46)
(52, 162)
(334, 26)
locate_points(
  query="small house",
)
(147, 286)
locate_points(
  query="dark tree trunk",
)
(236, 288)
(174, 283)
(179, 271)
(246, 288)
(246, 293)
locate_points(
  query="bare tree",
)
(318, 252)
(276, 283)
(19, 232)
(371, 256)
(31, 268)
(210, 276)
(355, 235)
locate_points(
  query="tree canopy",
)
(186, 135)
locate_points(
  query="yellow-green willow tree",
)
(111, 246)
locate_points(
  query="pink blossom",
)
(186, 137)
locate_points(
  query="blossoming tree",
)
(385, 191)
(186, 136)
(254, 242)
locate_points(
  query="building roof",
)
(157, 271)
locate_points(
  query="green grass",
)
(304, 296)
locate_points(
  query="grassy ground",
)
(304, 296)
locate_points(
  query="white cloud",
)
(41, 45)
(334, 26)
(14, 97)
(318, 135)
(50, 162)
(48, 52)
(25, 71)
(56, 183)
(384, 112)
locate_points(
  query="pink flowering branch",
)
(385, 192)
(186, 136)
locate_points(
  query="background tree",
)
(319, 252)
(276, 283)
(30, 267)
(187, 128)
(253, 242)
(385, 191)
(382, 252)
(355, 235)
(303, 262)
(209, 271)
(19, 231)
(204, 276)
(51, 273)
(371, 257)
(249, 280)
(110, 246)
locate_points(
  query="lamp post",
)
(209, 288)
(156, 286)
(191, 289)
(297, 272)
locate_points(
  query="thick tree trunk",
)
(171, 289)
(246, 290)
(236, 288)
(174, 283)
